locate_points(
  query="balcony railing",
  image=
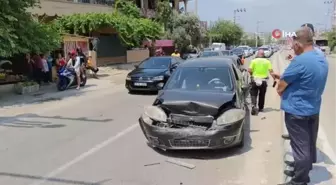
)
(97, 2)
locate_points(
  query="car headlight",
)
(158, 78)
(128, 77)
(153, 113)
(231, 116)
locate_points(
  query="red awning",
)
(164, 43)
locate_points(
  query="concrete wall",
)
(137, 55)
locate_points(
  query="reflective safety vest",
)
(175, 55)
(260, 67)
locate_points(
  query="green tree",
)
(185, 30)
(127, 7)
(20, 33)
(164, 13)
(226, 32)
(331, 36)
(132, 31)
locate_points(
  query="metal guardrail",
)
(96, 2)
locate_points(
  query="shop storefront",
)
(12, 70)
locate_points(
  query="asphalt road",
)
(95, 139)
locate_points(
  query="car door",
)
(240, 100)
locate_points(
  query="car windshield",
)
(213, 79)
(155, 63)
(237, 50)
(244, 48)
(226, 53)
(209, 54)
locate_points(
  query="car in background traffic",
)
(254, 49)
(267, 51)
(247, 50)
(238, 51)
(227, 52)
(239, 64)
(210, 54)
(207, 49)
(151, 74)
(202, 106)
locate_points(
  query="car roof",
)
(208, 62)
(231, 56)
(162, 57)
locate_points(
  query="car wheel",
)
(130, 92)
(242, 141)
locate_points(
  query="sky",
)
(287, 15)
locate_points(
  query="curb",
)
(287, 152)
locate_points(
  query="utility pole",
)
(257, 33)
(331, 12)
(241, 10)
(196, 7)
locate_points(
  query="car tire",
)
(131, 92)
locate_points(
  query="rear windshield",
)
(209, 54)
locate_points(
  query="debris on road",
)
(263, 118)
(151, 164)
(180, 163)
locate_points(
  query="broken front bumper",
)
(193, 138)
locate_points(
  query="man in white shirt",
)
(74, 62)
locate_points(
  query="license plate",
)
(140, 84)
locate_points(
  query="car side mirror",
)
(159, 86)
(136, 65)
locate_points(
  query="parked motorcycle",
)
(67, 78)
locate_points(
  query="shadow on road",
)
(17, 121)
(270, 109)
(214, 154)
(320, 174)
(147, 93)
(46, 94)
(52, 180)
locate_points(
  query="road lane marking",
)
(86, 154)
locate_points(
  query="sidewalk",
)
(107, 77)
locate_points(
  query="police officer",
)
(260, 68)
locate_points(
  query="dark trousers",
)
(258, 91)
(38, 75)
(302, 131)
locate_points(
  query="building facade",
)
(68, 7)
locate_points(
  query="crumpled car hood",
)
(194, 103)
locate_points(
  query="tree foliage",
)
(331, 36)
(227, 32)
(164, 13)
(132, 31)
(127, 7)
(20, 33)
(185, 30)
